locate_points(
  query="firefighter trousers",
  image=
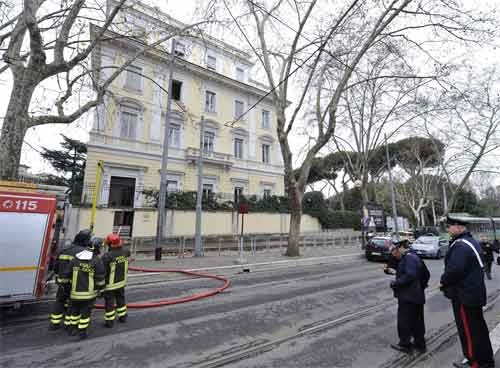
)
(80, 314)
(60, 309)
(474, 335)
(110, 296)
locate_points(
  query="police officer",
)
(116, 266)
(463, 283)
(488, 249)
(61, 307)
(409, 288)
(87, 279)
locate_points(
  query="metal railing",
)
(181, 246)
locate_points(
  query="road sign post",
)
(242, 208)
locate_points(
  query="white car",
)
(430, 246)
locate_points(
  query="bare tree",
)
(471, 132)
(49, 43)
(382, 98)
(322, 47)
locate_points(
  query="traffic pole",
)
(393, 194)
(160, 219)
(198, 246)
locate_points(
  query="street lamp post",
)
(393, 194)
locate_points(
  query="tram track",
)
(435, 341)
(225, 358)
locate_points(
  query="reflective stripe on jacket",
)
(62, 262)
(116, 266)
(87, 277)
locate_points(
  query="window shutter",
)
(139, 132)
(155, 128)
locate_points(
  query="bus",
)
(487, 226)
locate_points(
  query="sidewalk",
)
(228, 263)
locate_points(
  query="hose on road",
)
(186, 299)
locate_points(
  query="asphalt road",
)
(312, 316)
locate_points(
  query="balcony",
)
(132, 145)
(215, 158)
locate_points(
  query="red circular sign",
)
(243, 207)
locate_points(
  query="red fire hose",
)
(176, 300)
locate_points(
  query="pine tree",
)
(69, 163)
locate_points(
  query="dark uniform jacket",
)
(86, 274)
(463, 277)
(116, 266)
(63, 260)
(408, 287)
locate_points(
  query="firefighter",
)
(463, 283)
(96, 245)
(116, 266)
(61, 306)
(86, 273)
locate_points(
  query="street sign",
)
(243, 207)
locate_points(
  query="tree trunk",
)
(295, 217)
(15, 126)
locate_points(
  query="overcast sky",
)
(48, 136)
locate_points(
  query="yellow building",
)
(210, 79)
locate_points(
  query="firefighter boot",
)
(123, 319)
(82, 334)
(108, 324)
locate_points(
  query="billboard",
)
(372, 217)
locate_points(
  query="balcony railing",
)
(211, 157)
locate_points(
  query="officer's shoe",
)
(53, 327)
(401, 348)
(82, 335)
(108, 324)
(123, 319)
(421, 350)
(462, 364)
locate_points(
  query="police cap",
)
(455, 221)
(403, 243)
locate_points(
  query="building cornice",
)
(181, 64)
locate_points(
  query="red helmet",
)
(114, 240)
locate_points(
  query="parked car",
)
(378, 247)
(430, 246)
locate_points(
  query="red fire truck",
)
(26, 222)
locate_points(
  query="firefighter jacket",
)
(463, 277)
(116, 266)
(63, 260)
(86, 273)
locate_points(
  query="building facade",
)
(210, 79)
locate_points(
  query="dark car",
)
(378, 247)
